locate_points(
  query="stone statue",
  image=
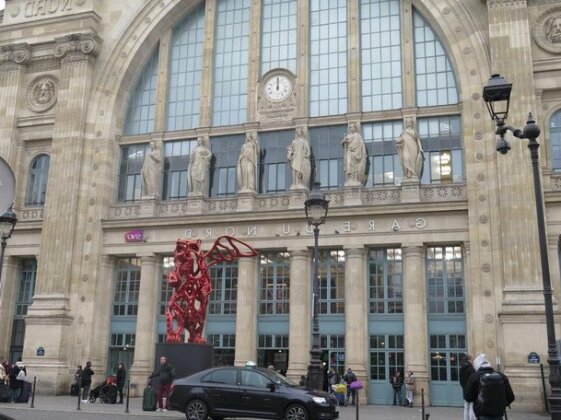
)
(299, 160)
(410, 150)
(199, 164)
(151, 169)
(553, 29)
(355, 157)
(247, 164)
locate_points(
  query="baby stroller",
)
(106, 392)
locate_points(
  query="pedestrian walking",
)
(86, 381)
(397, 383)
(349, 377)
(334, 379)
(165, 375)
(410, 388)
(466, 370)
(17, 377)
(489, 390)
(121, 374)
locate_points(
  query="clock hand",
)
(277, 83)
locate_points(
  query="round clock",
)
(277, 87)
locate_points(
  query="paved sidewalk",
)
(66, 404)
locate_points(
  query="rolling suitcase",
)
(5, 394)
(74, 390)
(25, 392)
(149, 400)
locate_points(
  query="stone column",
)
(246, 318)
(144, 348)
(49, 321)
(356, 309)
(510, 42)
(208, 64)
(103, 301)
(300, 326)
(11, 273)
(415, 316)
(553, 248)
(353, 57)
(254, 60)
(303, 55)
(13, 61)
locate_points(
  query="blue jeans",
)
(397, 392)
(351, 394)
(15, 393)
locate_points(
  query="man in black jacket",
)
(165, 375)
(490, 403)
(466, 370)
(86, 381)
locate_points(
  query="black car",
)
(232, 391)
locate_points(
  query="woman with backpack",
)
(17, 377)
(489, 390)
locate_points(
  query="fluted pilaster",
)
(246, 318)
(144, 348)
(10, 276)
(356, 308)
(300, 313)
(415, 314)
(13, 61)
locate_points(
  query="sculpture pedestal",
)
(148, 206)
(186, 358)
(246, 201)
(195, 204)
(410, 192)
(297, 198)
(353, 195)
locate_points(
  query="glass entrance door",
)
(445, 352)
(386, 356)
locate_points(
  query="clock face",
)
(277, 87)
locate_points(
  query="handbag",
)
(21, 375)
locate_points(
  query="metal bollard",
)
(422, 403)
(128, 396)
(33, 393)
(357, 402)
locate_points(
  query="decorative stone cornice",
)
(77, 47)
(13, 56)
(498, 3)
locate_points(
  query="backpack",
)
(492, 394)
(21, 375)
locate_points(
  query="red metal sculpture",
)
(191, 284)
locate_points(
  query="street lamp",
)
(497, 96)
(316, 211)
(7, 224)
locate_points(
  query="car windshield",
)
(279, 379)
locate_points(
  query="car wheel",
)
(295, 412)
(196, 410)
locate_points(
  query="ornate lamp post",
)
(316, 211)
(497, 96)
(7, 224)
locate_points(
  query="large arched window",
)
(37, 181)
(367, 73)
(555, 140)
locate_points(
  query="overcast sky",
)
(1, 4)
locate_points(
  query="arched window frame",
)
(37, 179)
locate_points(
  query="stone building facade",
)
(415, 269)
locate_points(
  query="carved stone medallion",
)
(547, 30)
(42, 93)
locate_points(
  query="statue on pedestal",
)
(247, 168)
(299, 160)
(355, 157)
(199, 164)
(151, 170)
(410, 150)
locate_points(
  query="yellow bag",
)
(340, 388)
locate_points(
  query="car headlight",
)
(319, 400)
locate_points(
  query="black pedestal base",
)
(186, 358)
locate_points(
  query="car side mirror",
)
(271, 386)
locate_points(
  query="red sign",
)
(136, 235)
